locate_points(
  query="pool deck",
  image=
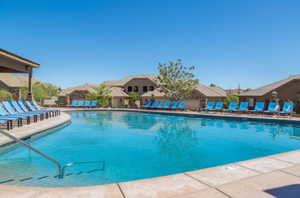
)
(35, 128)
(272, 176)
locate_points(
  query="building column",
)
(29, 96)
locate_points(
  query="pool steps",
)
(47, 178)
(61, 169)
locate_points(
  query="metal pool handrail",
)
(60, 168)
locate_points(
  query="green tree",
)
(231, 98)
(5, 95)
(24, 93)
(101, 94)
(51, 90)
(41, 91)
(176, 80)
(133, 97)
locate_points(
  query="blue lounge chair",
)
(6, 118)
(94, 103)
(80, 103)
(32, 108)
(7, 122)
(24, 108)
(167, 104)
(210, 106)
(174, 105)
(87, 103)
(148, 104)
(272, 108)
(38, 108)
(232, 106)
(160, 105)
(181, 105)
(288, 108)
(12, 112)
(219, 106)
(259, 107)
(7, 115)
(154, 105)
(20, 110)
(74, 103)
(243, 107)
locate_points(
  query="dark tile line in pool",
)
(219, 116)
(25, 179)
(89, 172)
(6, 181)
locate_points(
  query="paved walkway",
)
(35, 128)
(272, 176)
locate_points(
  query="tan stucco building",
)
(146, 86)
(202, 94)
(76, 93)
(287, 89)
(135, 84)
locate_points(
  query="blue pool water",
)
(142, 145)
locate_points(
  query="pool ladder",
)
(61, 169)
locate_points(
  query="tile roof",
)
(155, 93)
(85, 87)
(117, 92)
(210, 91)
(125, 80)
(270, 87)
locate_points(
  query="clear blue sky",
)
(246, 42)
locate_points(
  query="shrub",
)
(231, 98)
(61, 101)
(102, 95)
(5, 95)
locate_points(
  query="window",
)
(129, 89)
(151, 88)
(136, 89)
(145, 88)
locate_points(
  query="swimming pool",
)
(135, 145)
